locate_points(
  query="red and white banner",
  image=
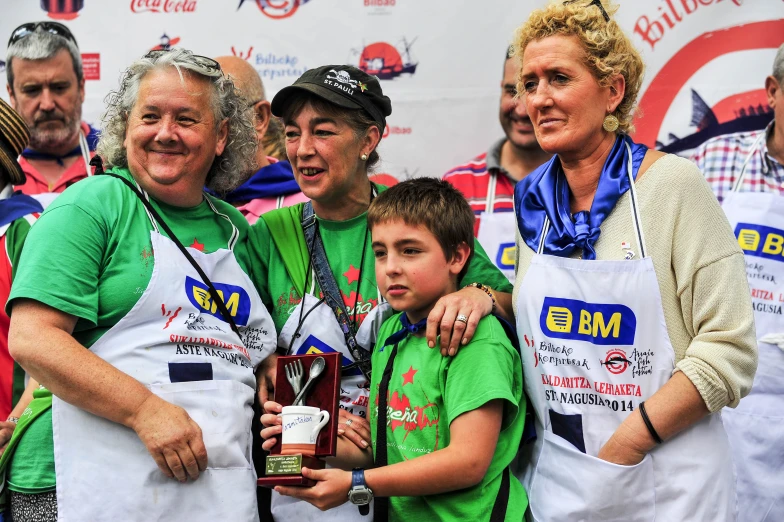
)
(440, 62)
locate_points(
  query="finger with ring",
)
(462, 318)
(348, 423)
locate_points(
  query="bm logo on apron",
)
(235, 298)
(605, 324)
(506, 256)
(760, 241)
(314, 345)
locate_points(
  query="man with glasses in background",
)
(46, 86)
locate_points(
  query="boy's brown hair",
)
(433, 203)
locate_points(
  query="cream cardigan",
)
(701, 273)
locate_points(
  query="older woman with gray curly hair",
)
(633, 287)
(147, 330)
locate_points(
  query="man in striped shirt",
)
(488, 180)
(746, 171)
(722, 158)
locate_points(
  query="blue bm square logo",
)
(760, 241)
(237, 302)
(314, 345)
(605, 324)
(506, 256)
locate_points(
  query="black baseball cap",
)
(343, 85)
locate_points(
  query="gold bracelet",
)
(486, 289)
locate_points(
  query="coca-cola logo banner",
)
(163, 6)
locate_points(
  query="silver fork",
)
(295, 374)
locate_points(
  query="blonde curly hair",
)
(608, 51)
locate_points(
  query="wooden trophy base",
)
(284, 470)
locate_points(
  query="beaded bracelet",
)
(485, 289)
(648, 424)
(15, 420)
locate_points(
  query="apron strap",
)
(235, 234)
(754, 146)
(85, 148)
(490, 201)
(279, 203)
(633, 204)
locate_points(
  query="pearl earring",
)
(364, 157)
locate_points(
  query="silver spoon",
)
(315, 370)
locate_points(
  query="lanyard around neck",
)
(234, 232)
(635, 210)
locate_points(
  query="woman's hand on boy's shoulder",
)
(354, 428)
(331, 489)
(469, 302)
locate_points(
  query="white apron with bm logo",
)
(595, 345)
(497, 233)
(311, 329)
(175, 342)
(756, 426)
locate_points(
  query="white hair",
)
(228, 170)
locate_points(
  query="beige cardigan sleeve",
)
(710, 273)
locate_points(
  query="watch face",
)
(360, 497)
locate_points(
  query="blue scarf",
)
(16, 206)
(271, 181)
(545, 193)
(92, 142)
(404, 332)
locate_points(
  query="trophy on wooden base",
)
(308, 388)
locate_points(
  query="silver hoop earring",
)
(364, 157)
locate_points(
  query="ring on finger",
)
(349, 422)
(462, 318)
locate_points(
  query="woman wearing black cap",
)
(334, 118)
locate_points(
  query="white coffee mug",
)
(301, 427)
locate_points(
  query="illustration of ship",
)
(385, 61)
(741, 113)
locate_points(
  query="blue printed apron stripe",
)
(187, 372)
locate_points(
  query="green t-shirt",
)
(342, 240)
(90, 255)
(15, 237)
(427, 392)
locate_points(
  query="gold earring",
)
(610, 123)
(364, 157)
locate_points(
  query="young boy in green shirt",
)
(444, 429)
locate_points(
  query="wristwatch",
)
(360, 494)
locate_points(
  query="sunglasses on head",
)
(27, 29)
(597, 3)
(204, 65)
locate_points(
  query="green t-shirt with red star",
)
(427, 392)
(355, 279)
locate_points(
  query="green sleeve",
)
(14, 241)
(487, 368)
(259, 251)
(482, 270)
(71, 283)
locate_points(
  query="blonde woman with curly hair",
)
(630, 294)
